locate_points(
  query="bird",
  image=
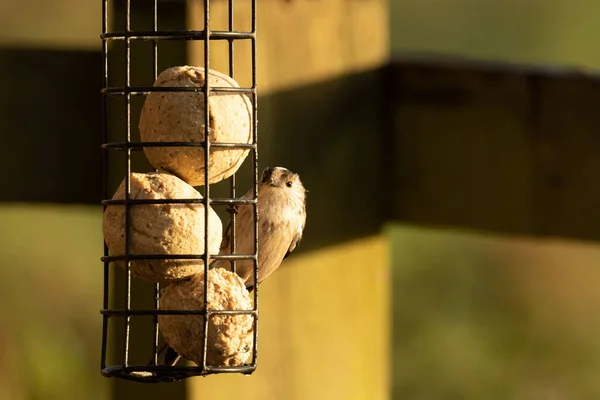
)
(281, 204)
(281, 220)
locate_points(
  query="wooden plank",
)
(568, 154)
(462, 148)
(496, 147)
(50, 125)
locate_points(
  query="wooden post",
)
(323, 330)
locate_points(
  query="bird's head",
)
(279, 178)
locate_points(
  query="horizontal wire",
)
(215, 201)
(177, 35)
(163, 373)
(158, 368)
(143, 90)
(242, 369)
(124, 312)
(141, 145)
(178, 257)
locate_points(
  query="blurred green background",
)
(532, 31)
(475, 315)
(50, 298)
(478, 316)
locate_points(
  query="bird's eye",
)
(288, 184)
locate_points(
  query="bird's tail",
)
(167, 356)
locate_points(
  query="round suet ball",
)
(179, 117)
(230, 337)
(161, 228)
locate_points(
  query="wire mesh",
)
(154, 372)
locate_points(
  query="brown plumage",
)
(281, 220)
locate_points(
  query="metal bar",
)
(114, 313)
(178, 35)
(255, 165)
(154, 374)
(144, 90)
(140, 145)
(105, 297)
(206, 92)
(123, 312)
(156, 285)
(216, 201)
(179, 257)
(231, 40)
(242, 369)
(144, 368)
(127, 186)
(232, 182)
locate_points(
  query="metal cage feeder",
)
(153, 372)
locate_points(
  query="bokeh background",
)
(451, 149)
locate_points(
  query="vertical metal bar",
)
(155, 46)
(233, 178)
(231, 41)
(206, 92)
(127, 184)
(105, 177)
(154, 42)
(255, 162)
(154, 75)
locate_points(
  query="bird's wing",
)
(293, 245)
(226, 234)
(297, 236)
(295, 242)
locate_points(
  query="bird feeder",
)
(159, 226)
